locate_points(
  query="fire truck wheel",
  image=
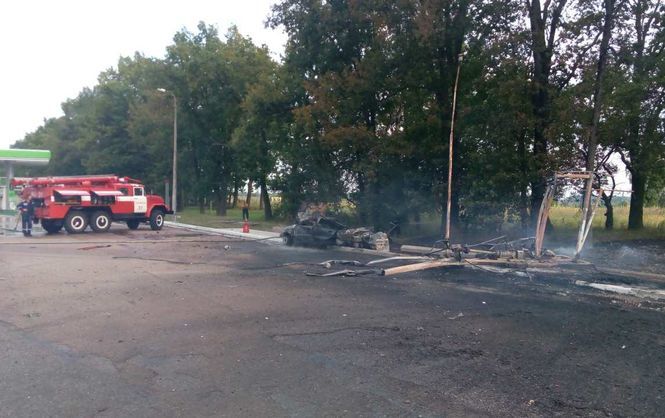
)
(156, 219)
(133, 224)
(100, 221)
(51, 227)
(76, 221)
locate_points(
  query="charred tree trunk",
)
(202, 205)
(236, 187)
(637, 147)
(199, 196)
(609, 211)
(540, 107)
(636, 212)
(542, 48)
(221, 199)
(250, 186)
(265, 198)
(361, 206)
(376, 209)
(524, 170)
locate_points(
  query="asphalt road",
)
(138, 323)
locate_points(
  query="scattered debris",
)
(363, 238)
(397, 258)
(347, 273)
(519, 257)
(160, 259)
(328, 264)
(640, 292)
(459, 315)
(93, 247)
(636, 274)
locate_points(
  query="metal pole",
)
(5, 190)
(450, 152)
(174, 200)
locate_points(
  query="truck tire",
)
(100, 221)
(51, 226)
(133, 224)
(156, 219)
(76, 221)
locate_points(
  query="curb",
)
(269, 237)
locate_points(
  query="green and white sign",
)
(13, 157)
(25, 156)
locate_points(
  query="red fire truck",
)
(78, 201)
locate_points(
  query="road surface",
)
(177, 324)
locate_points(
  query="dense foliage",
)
(360, 107)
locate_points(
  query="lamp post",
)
(174, 200)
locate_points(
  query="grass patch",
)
(566, 221)
(233, 219)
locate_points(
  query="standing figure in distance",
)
(27, 212)
(245, 211)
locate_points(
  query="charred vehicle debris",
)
(313, 228)
(323, 231)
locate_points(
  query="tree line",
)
(359, 108)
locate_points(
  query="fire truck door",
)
(140, 201)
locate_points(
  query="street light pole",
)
(174, 200)
(174, 195)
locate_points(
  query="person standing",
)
(245, 211)
(27, 210)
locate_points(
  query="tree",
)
(592, 143)
(639, 99)
(544, 21)
(263, 124)
(211, 77)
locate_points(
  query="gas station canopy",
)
(25, 156)
(14, 157)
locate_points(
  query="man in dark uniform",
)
(27, 212)
(245, 211)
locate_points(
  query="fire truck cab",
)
(76, 202)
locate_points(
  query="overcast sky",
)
(52, 49)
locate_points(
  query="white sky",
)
(52, 49)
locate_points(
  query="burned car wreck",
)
(321, 231)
